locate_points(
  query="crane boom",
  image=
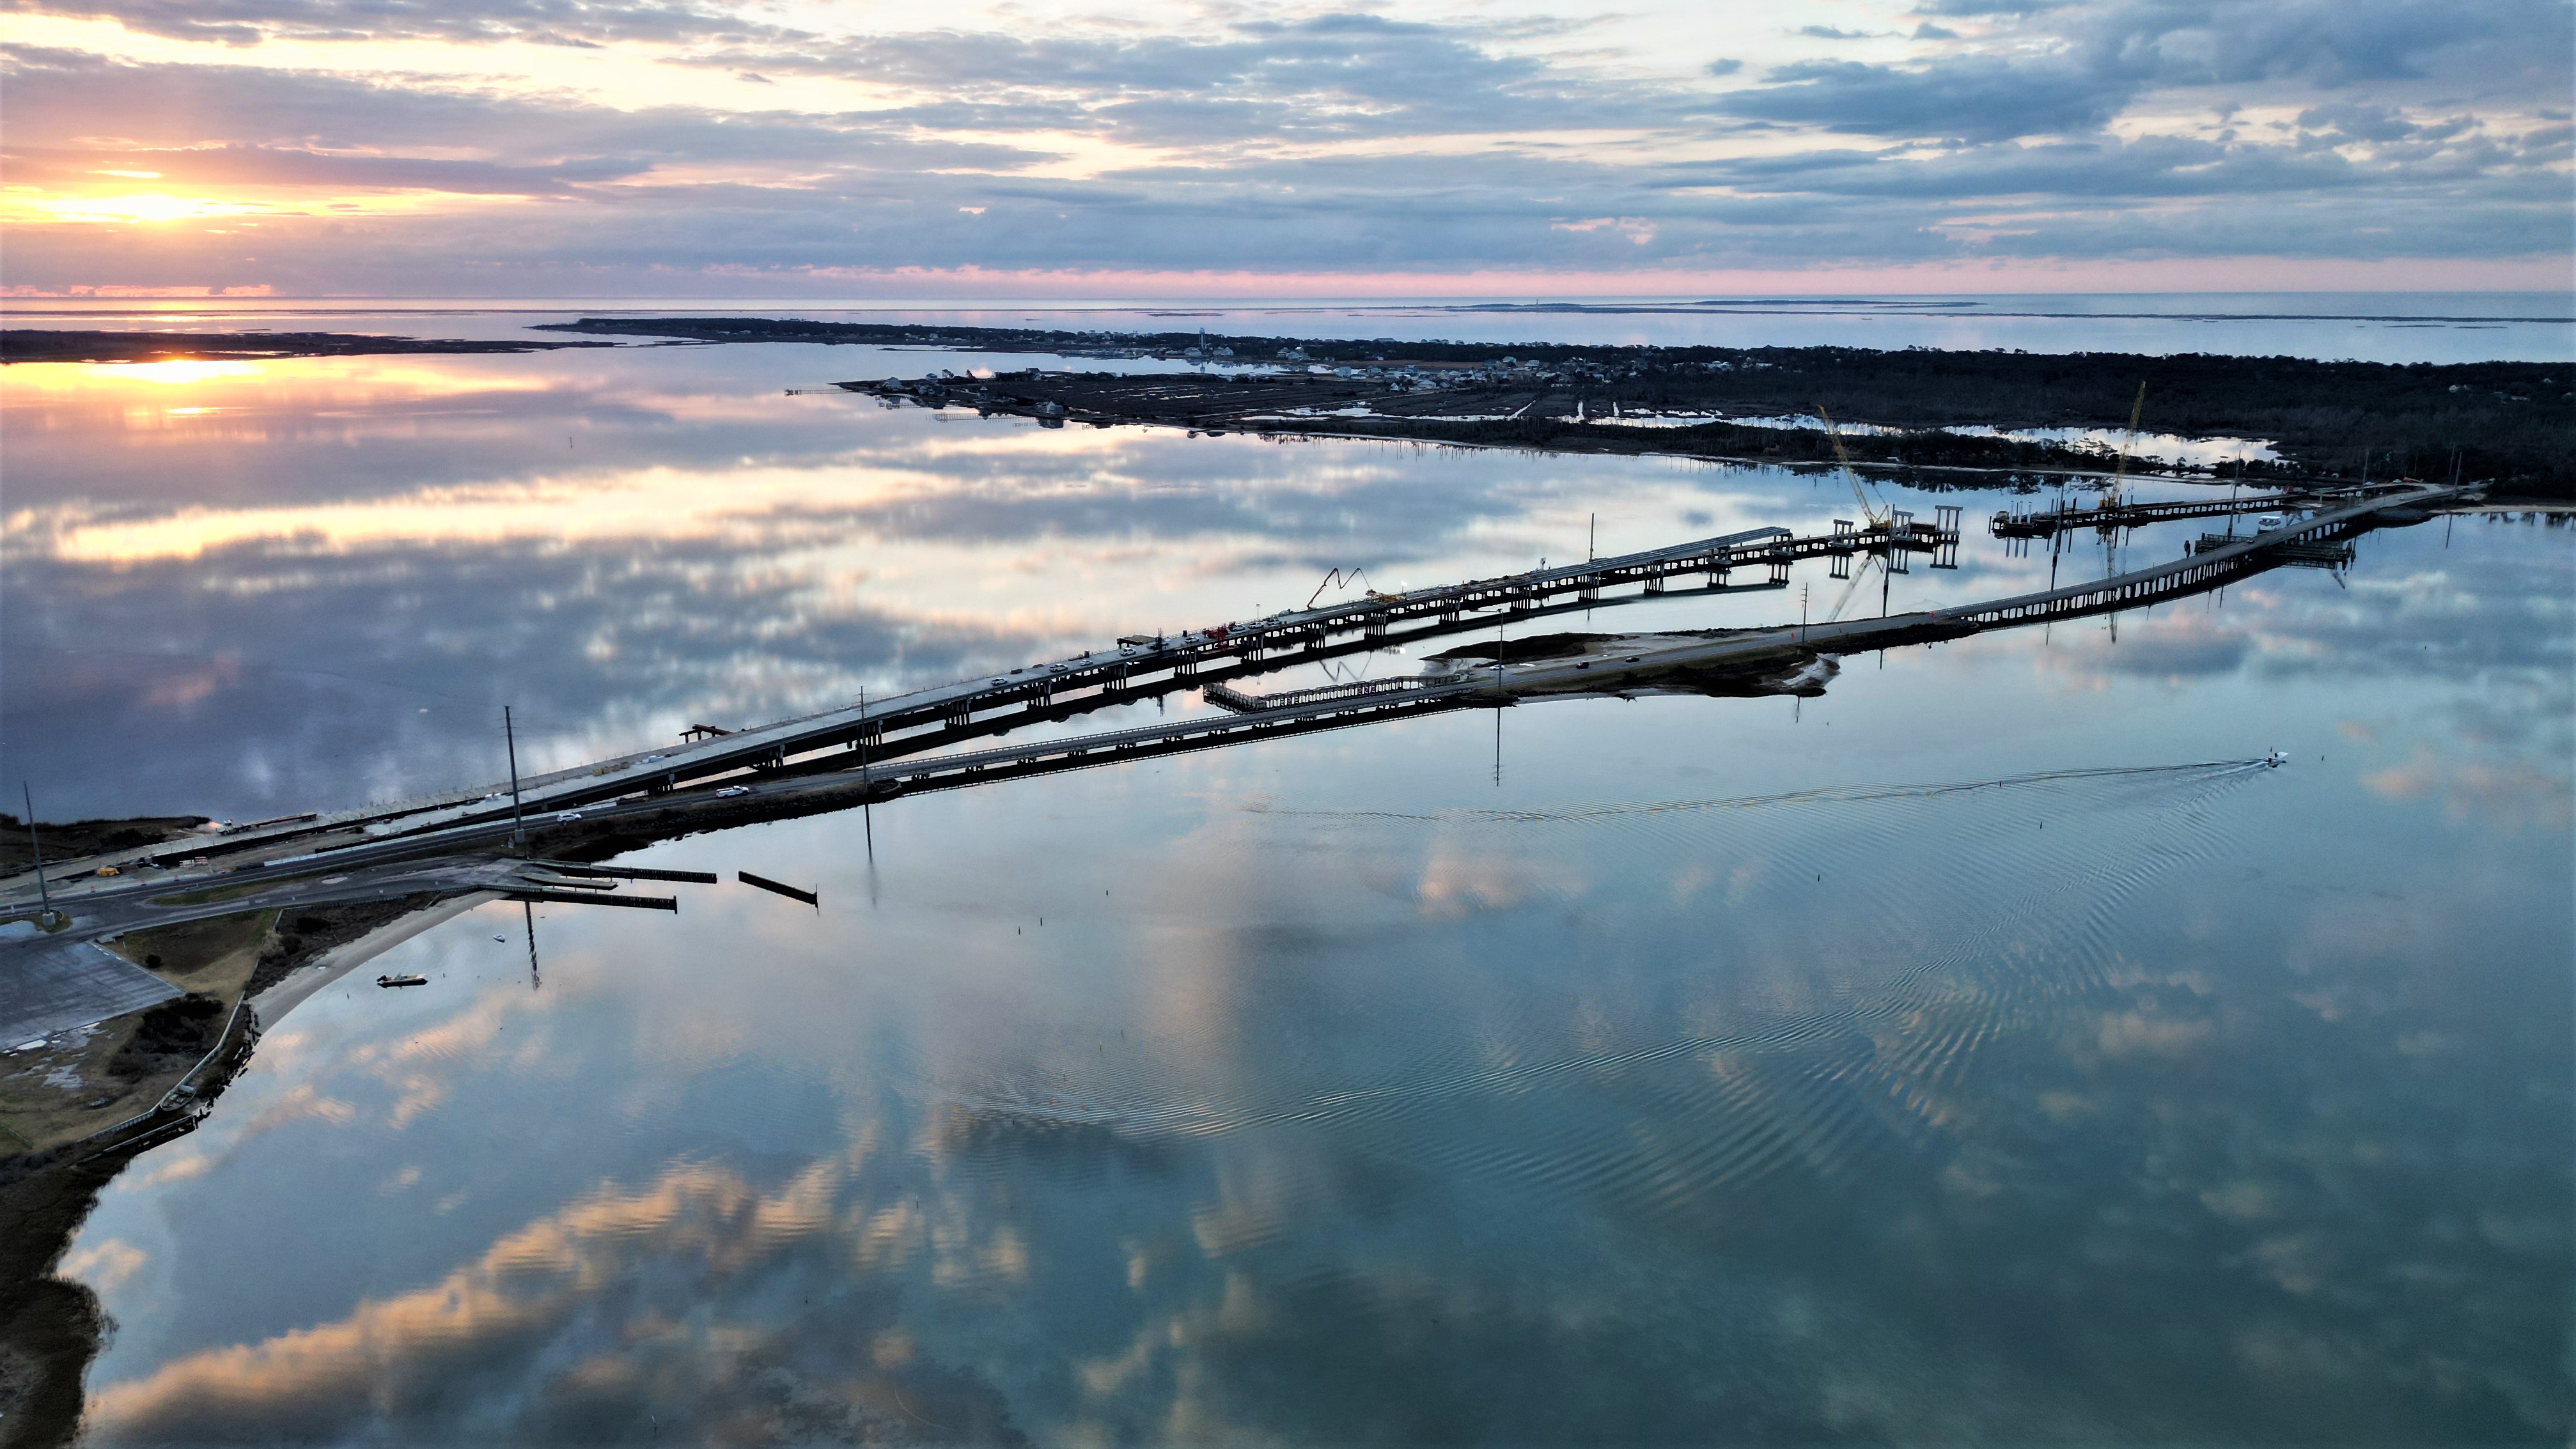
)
(1877, 516)
(2120, 470)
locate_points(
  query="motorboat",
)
(391, 979)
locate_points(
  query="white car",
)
(568, 815)
(733, 790)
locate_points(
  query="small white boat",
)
(393, 980)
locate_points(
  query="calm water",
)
(2369, 326)
(1669, 1071)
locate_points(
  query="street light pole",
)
(43, 895)
(510, 736)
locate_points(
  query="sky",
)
(1416, 148)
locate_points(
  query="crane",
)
(1876, 517)
(2120, 470)
(1337, 578)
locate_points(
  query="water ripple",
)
(1856, 1003)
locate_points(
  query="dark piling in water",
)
(779, 888)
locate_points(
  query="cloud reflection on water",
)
(221, 611)
(1994, 1145)
(237, 591)
(1992, 1118)
(591, 1320)
(2498, 628)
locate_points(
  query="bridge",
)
(1637, 665)
(2066, 518)
(817, 761)
(1140, 668)
(2204, 567)
(458, 853)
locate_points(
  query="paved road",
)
(55, 983)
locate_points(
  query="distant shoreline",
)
(2334, 422)
(23, 344)
(2327, 421)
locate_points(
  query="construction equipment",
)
(2120, 470)
(1876, 515)
(1337, 579)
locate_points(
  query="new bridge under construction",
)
(540, 839)
(901, 745)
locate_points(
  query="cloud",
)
(1301, 143)
(2359, 122)
(271, 166)
(557, 22)
(1977, 98)
(2329, 43)
(1323, 77)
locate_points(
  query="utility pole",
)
(867, 801)
(518, 824)
(44, 895)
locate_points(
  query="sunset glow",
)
(1428, 150)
